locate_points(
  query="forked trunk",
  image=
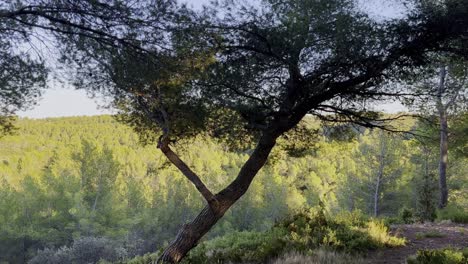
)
(191, 233)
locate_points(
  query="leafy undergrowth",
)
(319, 256)
(431, 234)
(453, 213)
(313, 236)
(440, 256)
(83, 250)
(304, 232)
(145, 259)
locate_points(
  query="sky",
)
(60, 101)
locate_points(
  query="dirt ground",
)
(422, 236)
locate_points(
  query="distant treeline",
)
(80, 177)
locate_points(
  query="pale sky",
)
(66, 101)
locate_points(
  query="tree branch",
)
(163, 145)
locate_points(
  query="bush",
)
(311, 229)
(380, 235)
(406, 215)
(257, 247)
(440, 256)
(453, 213)
(351, 218)
(83, 250)
(145, 259)
(430, 234)
(304, 232)
(50, 256)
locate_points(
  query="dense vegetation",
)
(440, 256)
(231, 70)
(82, 183)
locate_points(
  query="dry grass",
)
(320, 256)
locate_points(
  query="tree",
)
(25, 40)
(174, 72)
(425, 199)
(451, 88)
(381, 158)
(98, 173)
(445, 95)
(22, 73)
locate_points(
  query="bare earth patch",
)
(421, 236)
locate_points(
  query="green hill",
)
(69, 178)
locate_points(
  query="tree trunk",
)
(443, 160)
(380, 171)
(191, 233)
(376, 196)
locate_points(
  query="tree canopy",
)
(174, 72)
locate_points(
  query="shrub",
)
(92, 249)
(145, 259)
(303, 232)
(257, 247)
(440, 256)
(430, 234)
(83, 250)
(50, 256)
(351, 218)
(311, 229)
(453, 213)
(406, 215)
(379, 233)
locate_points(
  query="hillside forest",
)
(241, 132)
(71, 180)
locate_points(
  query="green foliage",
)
(240, 247)
(22, 76)
(406, 215)
(379, 234)
(145, 259)
(53, 170)
(440, 256)
(302, 232)
(426, 205)
(83, 250)
(312, 229)
(453, 213)
(430, 234)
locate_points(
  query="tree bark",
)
(191, 233)
(376, 196)
(443, 159)
(380, 171)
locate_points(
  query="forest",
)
(89, 180)
(242, 132)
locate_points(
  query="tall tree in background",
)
(174, 72)
(450, 89)
(427, 186)
(381, 158)
(444, 85)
